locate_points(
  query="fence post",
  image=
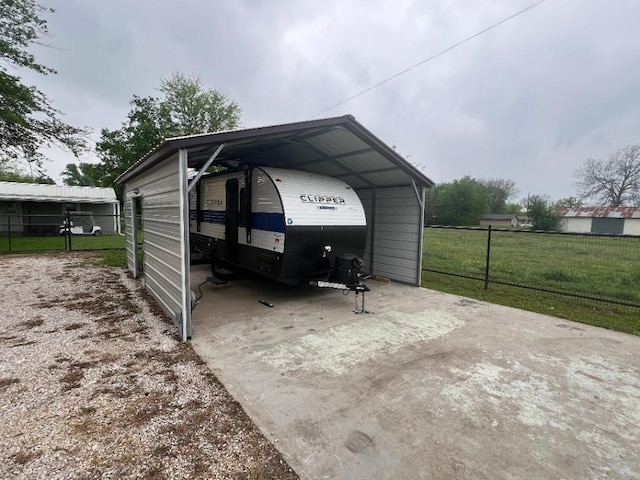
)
(67, 222)
(486, 270)
(9, 227)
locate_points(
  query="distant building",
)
(503, 220)
(39, 209)
(612, 220)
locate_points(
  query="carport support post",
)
(486, 270)
(420, 193)
(185, 330)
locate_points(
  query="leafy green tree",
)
(430, 206)
(461, 202)
(186, 108)
(84, 174)
(119, 149)
(513, 208)
(542, 213)
(28, 121)
(10, 171)
(189, 109)
(500, 191)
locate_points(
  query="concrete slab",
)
(428, 386)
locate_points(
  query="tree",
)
(119, 149)
(430, 206)
(84, 174)
(461, 202)
(28, 121)
(500, 191)
(186, 108)
(10, 171)
(189, 109)
(569, 202)
(614, 181)
(513, 208)
(542, 213)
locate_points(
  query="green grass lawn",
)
(607, 267)
(602, 267)
(23, 244)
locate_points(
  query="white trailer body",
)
(285, 224)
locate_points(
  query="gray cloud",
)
(529, 100)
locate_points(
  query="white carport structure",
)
(390, 188)
(35, 204)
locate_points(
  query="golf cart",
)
(80, 223)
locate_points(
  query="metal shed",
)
(390, 188)
(34, 206)
(607, 220)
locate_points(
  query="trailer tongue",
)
(345, 275)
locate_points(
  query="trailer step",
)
(216, 281)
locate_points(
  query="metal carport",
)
(391, 190)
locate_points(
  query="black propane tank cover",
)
(346, 268)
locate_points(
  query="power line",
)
(442, 52)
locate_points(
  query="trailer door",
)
(231, 220)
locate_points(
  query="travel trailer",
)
(288, 225)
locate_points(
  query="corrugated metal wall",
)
(394, 233)
(367, 199)
(160, 191)
(632, 226)
(614, 226)
(131, 236)
(578, 225)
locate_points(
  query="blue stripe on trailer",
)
(270, 222)
(213, 216)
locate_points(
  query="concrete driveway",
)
(428, 385)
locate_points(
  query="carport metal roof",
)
(339, 147)
(36, 192)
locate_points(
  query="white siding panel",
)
(396, 202)
(131, 236)
(403, 229)
(395, 235)
(159, 189)
(579, 225)
(397, 239)
(631, 226)
(400, 217)
(366, 197)
(400, 246)
(396, 264)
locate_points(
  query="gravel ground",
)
(94, 384)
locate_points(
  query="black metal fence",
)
(603, 268)
(73, 231)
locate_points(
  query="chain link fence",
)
(595, 267)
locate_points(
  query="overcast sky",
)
(529, 100)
